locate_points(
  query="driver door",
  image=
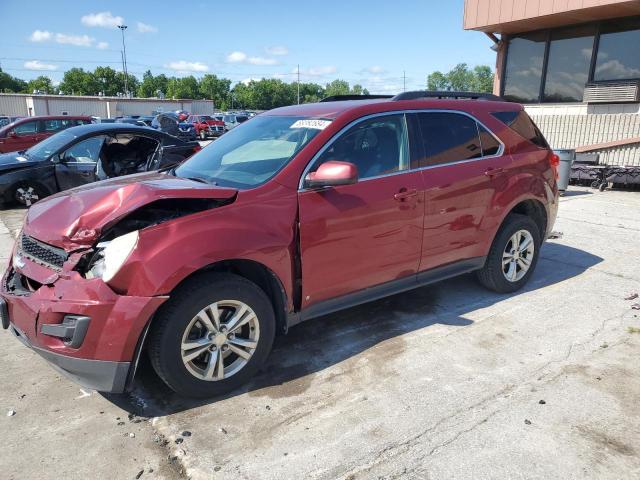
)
(78, 164)
(369, 233)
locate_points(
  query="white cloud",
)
(38, 65)
(102, 19)
(102, 45)
(77, 40)
(375, 69)
(236, 57)
(40, 36)
(247, 81)
(317, 71)
(187, 67)
(146, 28)
(261, 61)
(277, 50)
(241, 57)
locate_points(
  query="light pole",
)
(124, 61)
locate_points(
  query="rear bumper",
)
(101, 375)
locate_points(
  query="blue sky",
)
(363, 41)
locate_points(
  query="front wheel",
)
(513, 255)
(27, 193)
(212, 336)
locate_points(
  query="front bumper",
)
(101, 375)
(110, 344)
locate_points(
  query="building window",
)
(619, 51)
(568, 64)
(523, 71)
(562, 61)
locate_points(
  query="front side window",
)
(28, 128)
(568, 65)
(86, 151)
(449, 137)
(249, 155)
(523, 73)
(619, 51)
(378, 146)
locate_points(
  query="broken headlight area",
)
(108, 256)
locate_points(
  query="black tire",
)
(491, 275)
(27, 193)
(174, 317)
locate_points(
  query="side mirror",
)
(331, 174)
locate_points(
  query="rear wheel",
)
(513, 255)
(212, 336)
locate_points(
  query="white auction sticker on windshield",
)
(311, 123)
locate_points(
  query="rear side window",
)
(449, 137)
(489, 144)
(523, 125)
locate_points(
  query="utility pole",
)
(124, 61)
(404, 81)
(298, 84)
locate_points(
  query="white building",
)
(16, 104)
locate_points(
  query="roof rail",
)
(444, 94)
(339, 98)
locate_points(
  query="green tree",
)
(77, 81)
(309, 92)
(108, 81)
(437, 81)
(41, 84)
(10, 84)
(462, 79)
(337, 87)
(216, 89)
(153, 86)
(184, 87)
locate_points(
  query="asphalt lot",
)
(448, 381)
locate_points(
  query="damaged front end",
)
(57, 291)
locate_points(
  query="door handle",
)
(404, 194)
(490, 172)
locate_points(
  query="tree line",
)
(261, 94)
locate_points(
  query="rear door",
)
(463, 165)
(368, 233)
(78, 164)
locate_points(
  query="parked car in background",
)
(303, 211)
(26, 132)
(231, 121)
(85, 154)
(4, 120)
(146, 119)
(206, 126)
(170, 123)
(131, 121)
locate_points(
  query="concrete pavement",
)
(449, 381)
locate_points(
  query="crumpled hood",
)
(76, 218)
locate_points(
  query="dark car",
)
(172, 124)
(26, 132)
(300, 212)
(131, 121)
(85, 154)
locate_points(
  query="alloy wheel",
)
(518, 255)
(220, 340)
(27, 195)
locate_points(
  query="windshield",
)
(252, 153)
(49, 146)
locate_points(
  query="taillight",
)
(554, 161)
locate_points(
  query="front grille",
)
(42, 253)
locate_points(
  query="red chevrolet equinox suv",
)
(299, 212)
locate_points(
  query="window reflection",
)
(568, 65)
(619, 51)
(524, 67)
